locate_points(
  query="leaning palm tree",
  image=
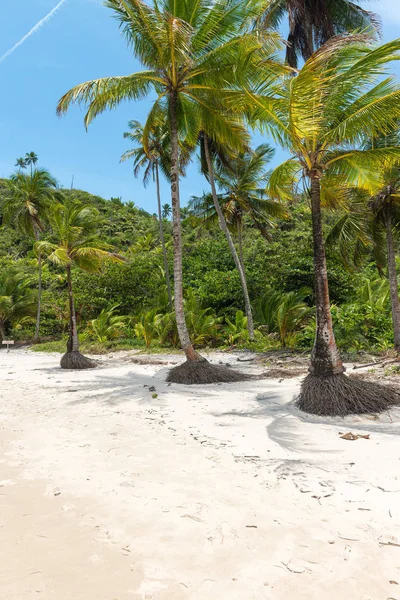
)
(322, 116)
(190, 52)
(31, 159)
(241, 179)
(75, 227)
(242, 183)
(29, 199)
(209, 149)
(313, 22)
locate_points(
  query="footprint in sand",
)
(225, 535)
(37, 583)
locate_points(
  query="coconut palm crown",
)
(313, 22)
(190, 52)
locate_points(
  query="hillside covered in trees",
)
(126, 304)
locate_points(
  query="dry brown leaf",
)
(353, 436)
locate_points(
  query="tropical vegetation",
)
(300, 256)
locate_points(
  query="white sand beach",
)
(222, 492)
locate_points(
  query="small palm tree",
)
(31, 159)
(166, 211)
(21, 163)
(284, 312)
(190, 53)
(75, 227)
(107, 325)
(29, 199)
(236, 330)
(243, 183)
(312, 23)
(16, 299)
(322, 116)
(150, 157)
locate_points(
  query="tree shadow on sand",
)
(285, 423)
(117, 389)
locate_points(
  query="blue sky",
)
(82, 42)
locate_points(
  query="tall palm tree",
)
(190, 52)
(75, 227)
(150, 157)
(31, 159)
(16, 299)
(21, 163)
(241, 178)
(29, 199)
(313, 22)
(322, 116)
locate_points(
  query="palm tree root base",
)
(338, 396)
(76, 360)
(193, 372)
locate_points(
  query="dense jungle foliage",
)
(126, 305)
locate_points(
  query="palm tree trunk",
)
(240, 245)
(2, 331)
(392, 272)
(39, 306)
(73, 359)
(326, 390)
(162, 238)
(224, 227)
(183, 332)
(325, 357)
(73, 341)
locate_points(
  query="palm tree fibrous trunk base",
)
(200, 372)
(339, 395)
(76, 360)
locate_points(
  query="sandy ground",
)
(222, 492)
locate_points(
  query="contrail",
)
(33, 30)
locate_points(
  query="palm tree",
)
(166, 211)
(21, 163)
(29, 199)
(16, 299)
(284, 312)
(31, 159)
(313, 22)
(241, 179)
(366, 223)
(150, 158)
(243, 182)
(75, 227)
(190, 52)
(209, 148)
(322, 117)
